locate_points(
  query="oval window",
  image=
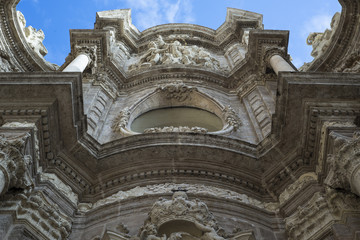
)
(177, 117)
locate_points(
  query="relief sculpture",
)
(162, 53)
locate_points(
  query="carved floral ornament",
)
(180, 93)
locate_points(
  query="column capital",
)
(344, 163)
(14, 164)
(90, 52)
(271, 51)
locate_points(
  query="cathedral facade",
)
(180, 132)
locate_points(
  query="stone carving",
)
(236, 53)
(14, 164)
(35, 129)
(122, 120)
(162, 53)
(295, 187)
(33, 37)
(104, 81)
(178, 91)
(344, 163)
(60, 185)
(321, 41)
(245, 37)
(270, 51)
(351, 63)
(5, 63)
(118, 49)
(180, 208)
(200, 190)
(176, 129)
(122, 228)
(35, 40)
(43, 215)
(91, 52)
(231, 117)
(319, 213)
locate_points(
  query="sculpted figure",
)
(161, 52)
(209, 232)
(149, 233)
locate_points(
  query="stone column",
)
(85, 57)
(78, 64)
(279, 64)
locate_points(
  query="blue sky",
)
(56, 17)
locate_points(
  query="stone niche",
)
(176, 107)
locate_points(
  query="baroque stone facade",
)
(180, 132)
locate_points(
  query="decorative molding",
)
(60, 185)
(317, 113)
(198, 189)
(297, 186)
(42, 113)
(350, 64)
(107, 84)
(39, 213)
(317, 216)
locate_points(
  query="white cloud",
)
(172, 11)
(318, 23)
(148, 13)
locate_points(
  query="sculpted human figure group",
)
(159, 52)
